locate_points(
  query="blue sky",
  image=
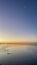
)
(18, 20)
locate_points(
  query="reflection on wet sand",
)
(18, 54)
(9, 47)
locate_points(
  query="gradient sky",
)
(18, 20)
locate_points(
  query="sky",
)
(18, 20)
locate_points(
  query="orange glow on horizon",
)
(18, 40)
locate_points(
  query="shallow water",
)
(18, 55)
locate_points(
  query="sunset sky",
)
(18, 20)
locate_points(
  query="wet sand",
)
(18, 54)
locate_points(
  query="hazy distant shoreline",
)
(21, 43)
